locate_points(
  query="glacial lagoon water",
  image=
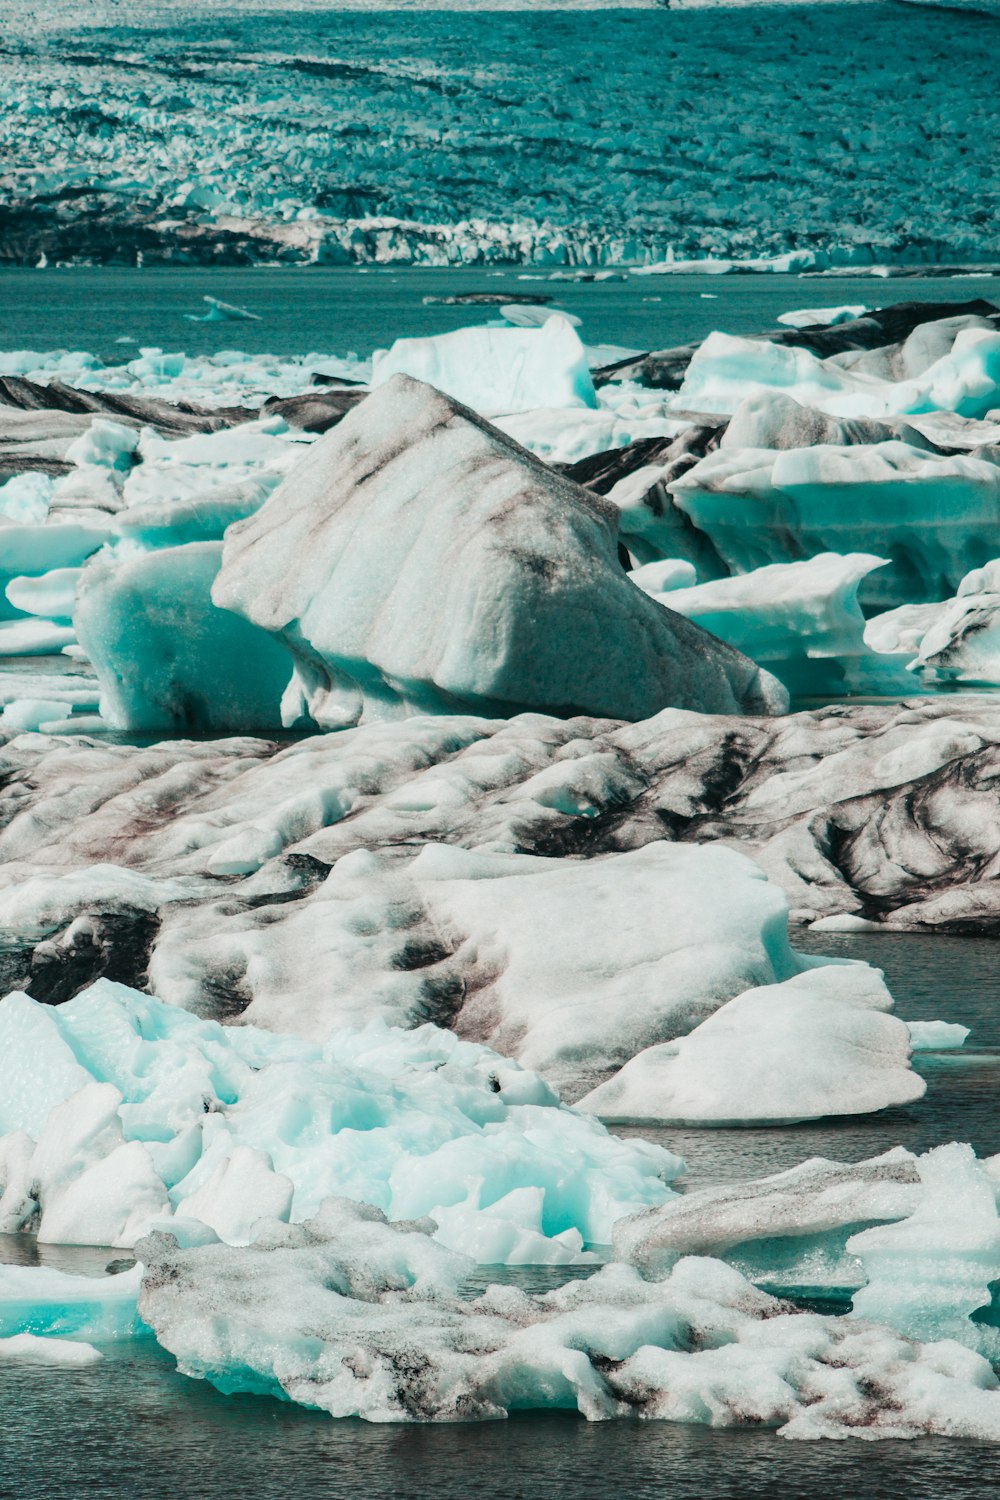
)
(339, 310)
(131, 1427)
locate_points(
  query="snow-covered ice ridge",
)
(234, 137)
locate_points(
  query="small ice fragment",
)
(223, 312)
(937, 1036)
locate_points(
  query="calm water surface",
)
(337, 310)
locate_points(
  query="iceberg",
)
(550, 960)
(935, 515)
(827, 317)
(819, 1044)
(790, 1228)
(222, 312)
(497, 371)
(166, 658)
(726, 369)
(30, 1349)
(933, 1276)
(799, 620)
(529, 609)
(349, 1315)
(952, 643)
(37, 1302)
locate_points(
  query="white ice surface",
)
(820, 1044)
(497, 370)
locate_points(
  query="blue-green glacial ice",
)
(120, 1112)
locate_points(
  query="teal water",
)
(336, 310)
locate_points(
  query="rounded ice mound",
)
(819, 1044)
(417, 560)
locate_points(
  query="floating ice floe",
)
(120, 1112)
(222, 312)
(30, 1349)
(417, 560)
(61, 1311)
(819, 1044)
(329, 1314)
(811, 317)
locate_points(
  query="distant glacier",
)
(228, 134)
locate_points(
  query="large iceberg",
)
(417, 560)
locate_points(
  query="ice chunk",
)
(811, 317)
(243, 1188)
(819, 1044)
(800, 620)
(937, 1036)
(928, 1275)
(107, 445)
(358, 1318)
(935, 515)
(33, 637)
(31, 713)
(165, 656)
(497, 370)
(532, 608)
(222, 312)
(775, 1223)
(53, 1304)
(50, 594)
(524, 315)
(725, 369)
(956, 642)
(231, 1125)
(30, 1349)
(26, 498)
